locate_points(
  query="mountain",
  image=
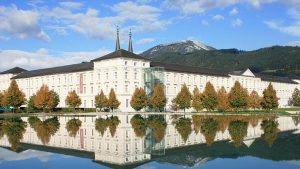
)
(275, 60)
(183, 47)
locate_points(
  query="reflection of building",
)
(124, 71)
(125, 147)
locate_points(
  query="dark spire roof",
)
(15, 70)
(84, 66)
(120, 54)
(118, 40)
(130, 43)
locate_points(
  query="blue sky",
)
(37, 33)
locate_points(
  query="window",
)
(116, 75)
(84, 103)
(125, 62)
(98, 76)
(135, 75)
(127, 147)
(126, 88)
(134, 63)
(84, 90)
(92, 90)
(127, 103)
(126, 75)
(106, 75)
(92, 103)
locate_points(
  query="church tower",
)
(130, 43)
(118, 40)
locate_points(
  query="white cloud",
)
(145, 41)
(218, 17)
(42, 58)
(294, 43)
(145, 16)
(293, 29)
(237, 22)
(199, 6)
(234, 11)
(71, 5)
(142, 18)
(21, 23)
(6, 155)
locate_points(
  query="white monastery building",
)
(124, 71)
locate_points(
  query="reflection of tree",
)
(158, 124)
(196, 123)
(101, 125)
(253, 120)
(296, 120)
(73, 126)
(223, 122)
(2, 132)
(209, 128)
(270, 128)
(113, 123)
(14, 129)
(139, 125)
(238, 130)
(44, 129)
(184, 127)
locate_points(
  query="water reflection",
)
(123, 139)
(13, 128)
(101, 124)
(73, 126)
(44, 129)
(270, 128)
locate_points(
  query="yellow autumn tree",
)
(254, 100)
(196, 100)
(270, 99)
(139, 99)
(101, 101)
(13, 96)
(183, 98)
(238, 97)
(45, 99)
(209, 97)
(158, 100)
(73, 100)
(112, 102)
(223, 103)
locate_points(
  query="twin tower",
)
(118, 42)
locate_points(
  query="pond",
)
(128, 140)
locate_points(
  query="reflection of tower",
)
(151, 144)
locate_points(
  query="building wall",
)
(125, 74)
(5, 81)
(175, 80)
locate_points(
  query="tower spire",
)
(130, 43)
(117, 40)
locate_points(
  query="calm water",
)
(150, 141)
